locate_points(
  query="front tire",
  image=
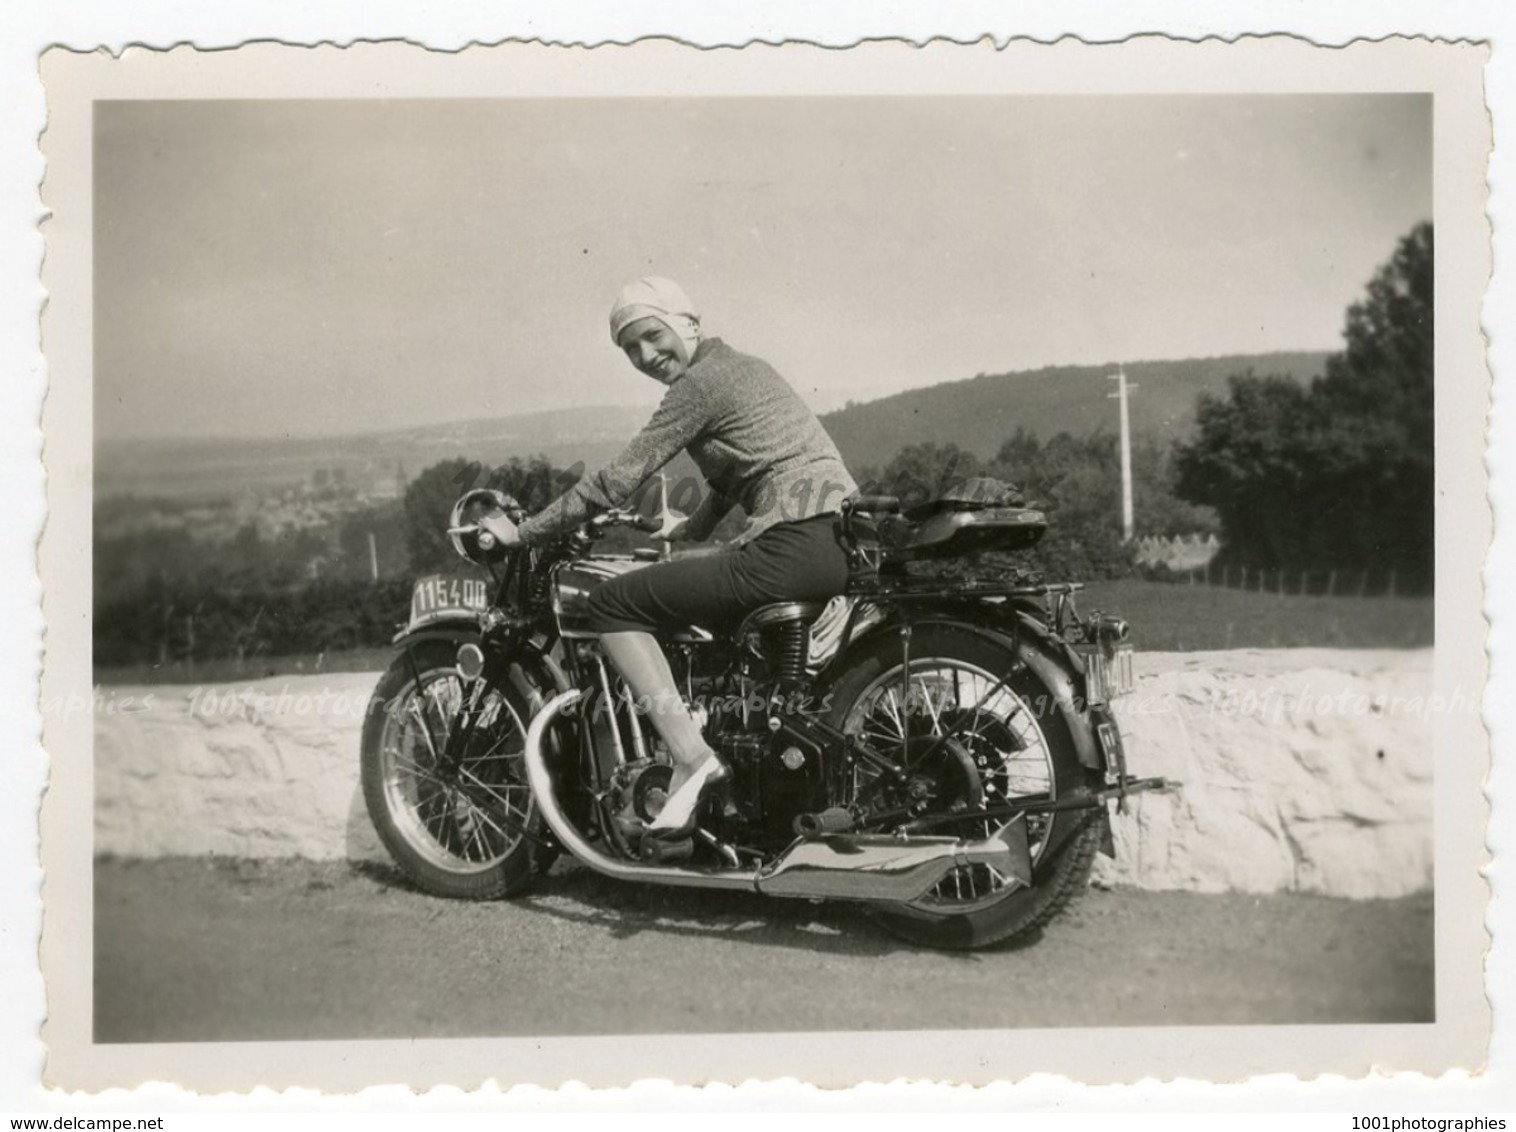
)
(1021, 746)
(466, 828)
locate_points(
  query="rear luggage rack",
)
(878, 537)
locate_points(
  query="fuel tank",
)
(573, 582)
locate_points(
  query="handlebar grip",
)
(883, 504)
(647, 523)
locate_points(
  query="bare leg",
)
(640, 660)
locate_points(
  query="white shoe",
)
(677, 817)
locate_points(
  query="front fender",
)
(532, 672)
(459, 629)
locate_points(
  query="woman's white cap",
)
(655, 297)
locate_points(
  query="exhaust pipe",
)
(892, 869)
(570, 838)
(877, 868)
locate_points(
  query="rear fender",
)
(1029, 638)
(1058, 667)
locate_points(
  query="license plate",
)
(438, 597)
(1123, 681)
(1108, 674)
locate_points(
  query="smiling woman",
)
(755, 442)
(655, 350)
(758, 446)
(655, 323)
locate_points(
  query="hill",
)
(977, 414)
(980, 413)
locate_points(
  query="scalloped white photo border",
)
(398, 70)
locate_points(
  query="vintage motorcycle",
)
(941, 749)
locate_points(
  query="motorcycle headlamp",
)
(466, 527)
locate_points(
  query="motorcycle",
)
(941, 749)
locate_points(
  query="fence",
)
(1287, 583)
(1195, 560)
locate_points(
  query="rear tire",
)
(1056, 884)
(1014, 736)
(466, 834)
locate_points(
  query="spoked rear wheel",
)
(444, 780)
(992, 736)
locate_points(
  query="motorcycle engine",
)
(777, 774)
(636, 794)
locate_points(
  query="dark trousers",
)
(800, 561)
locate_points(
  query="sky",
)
(270, 268)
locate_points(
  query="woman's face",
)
(654, 349)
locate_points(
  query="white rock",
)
(1304, 770)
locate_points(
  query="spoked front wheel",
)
(971, 729)
(444, 780)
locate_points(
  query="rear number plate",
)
(1122, 680)
(1108, 674)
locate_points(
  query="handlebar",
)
(875, 504)
(619, 517)
(648, 524)
(597, 525)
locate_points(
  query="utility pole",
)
(373, 558)
(1123, 388)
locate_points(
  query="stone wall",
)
(262, 769)
(1303, 770)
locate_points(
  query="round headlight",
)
(469, 539)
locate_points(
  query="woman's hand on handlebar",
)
(667, 525)
(505, 532)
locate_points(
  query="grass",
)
(1165, 617)
(1175, 617)
(232, 671)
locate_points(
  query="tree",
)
(921, 472)
(1019, 458)
(386, 524)
(1340, 474)
(429, 500)
(1077, 479)
(1159, 508)
(533, 483)
(1246, 461)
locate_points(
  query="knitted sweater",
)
(753, 439)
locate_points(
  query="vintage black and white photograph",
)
(657, 560)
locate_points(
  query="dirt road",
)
(195, 950)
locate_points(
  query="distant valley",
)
(196, 468)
